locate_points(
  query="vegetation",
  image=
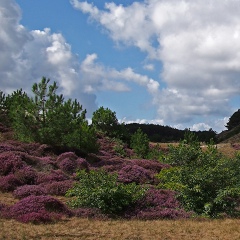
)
(206, 182)
(140, 143)
(105, 172)
(48, 118)
(159, 133)
(98, 189)
(234, 120)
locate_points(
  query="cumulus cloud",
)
(197, 42)
(25, 56)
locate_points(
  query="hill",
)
(229, 136)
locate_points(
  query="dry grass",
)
(92, 229)
(76, 228)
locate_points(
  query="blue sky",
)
(154, 61)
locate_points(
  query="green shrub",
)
(98, 189)
(206, 182)
(140, 143)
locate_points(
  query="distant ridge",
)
(230, 136)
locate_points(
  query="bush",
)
(140, 143)
(38, 209)
(54, 175)
(10, 162)
(207, 183)
(98, 189)
(69, 163)
(9, 183)
(58, 188)
(135, 173)
(157, 204)
(29, 190)
(26, 175)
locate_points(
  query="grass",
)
(77, 228)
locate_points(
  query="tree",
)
(140, 143)
(48, 118)
(234, 120)
(206, 182)
(105, 120)
(3, 109)
(20, 108)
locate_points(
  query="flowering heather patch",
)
(9, 183)
(82, 164)
(68, 166)
(92, 213)
(7, 147)
(10, 162)
(152, 165)
(38, 209)
(69, 163)
(37, 149)
(57, 188)
(157, 204)
(47, 164)
(111, 165)
(29, 190)
(26, 175)
(67, 155)
(134, 173)
(54, 175)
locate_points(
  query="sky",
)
(167, 62)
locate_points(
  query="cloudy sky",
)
(167, 62)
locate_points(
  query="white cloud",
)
(26, 56)
(149, 67)
(142, 121)
(102, 78)
(196, 41)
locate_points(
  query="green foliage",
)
(207, 183)
(105, 120)
(234, 120)
(187, 151)
(48, 118)
(140, 143)
(3, 109)
(98, 189)
(119, 147)
(19, 109)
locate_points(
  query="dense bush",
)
(9, 183)
(10, 162)
(140, 143)
(98, 189)
(58, 188)
(38, 209)
(26, 175)
(29, 190)
(69, 163)
(54, 175)
(157, 204)
(207, 183)
(135, 173)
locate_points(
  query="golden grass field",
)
(77, 228)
